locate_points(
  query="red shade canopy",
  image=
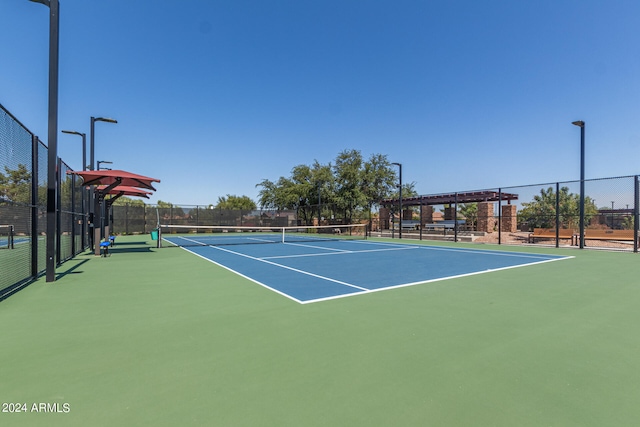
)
(123, 190)
(118, 177)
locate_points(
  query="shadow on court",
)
(73, 270)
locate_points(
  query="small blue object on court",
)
(319, 271)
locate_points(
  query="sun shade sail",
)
(123, 190)
(117, 177)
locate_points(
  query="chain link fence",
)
(23, 207)
(141, 218)
(540, 214)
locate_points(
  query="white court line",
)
(201, 243)
(468, 250)
(315, 247)
(290, 268)
(342, 252)
(439, 279)
(244, 276)
(367, 290)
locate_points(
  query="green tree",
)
(15, 184)
(301, 191)
(378, 181)
(350, 184)
(408, 190)
(470, 213)
(168, 211)
(267, 197)
(541, 212)
(125, 200)
(322, 193)
(627, 222)
(236, 202)
(348, 174)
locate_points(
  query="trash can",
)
(154, 234)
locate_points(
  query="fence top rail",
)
(16, 120)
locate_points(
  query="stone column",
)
(486, 219)
(385, 217)
(427, 215)
(450, 213)
(509, 218)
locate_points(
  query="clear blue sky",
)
(214, 96)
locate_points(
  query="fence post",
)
(421, 218)
(636, 210)
(72, 178)
(34, 205)
(58, 193)
(455, 217)
(83, 228)
(557, 214)
(499, 216)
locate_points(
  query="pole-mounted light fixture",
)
(93, 207)
(106, 162)
(580, 124)
(92, 148)
(84, 146)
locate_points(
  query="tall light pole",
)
(95, 235)
(104, 210)
(84, 146)
(580, 124)
(400, 198)
(52, 142)
(83, 191)
(93, 145)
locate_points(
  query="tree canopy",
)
(350, 183)
(236, 202)
(15, 184)
(541, 212)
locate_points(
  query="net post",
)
(11, 234)
(159, 242)
(283, 230)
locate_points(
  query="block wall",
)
(486, 217)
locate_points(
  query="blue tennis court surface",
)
(317, 271)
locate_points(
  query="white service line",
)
(342, 252)
(464, 250)
(291, 268)
(314, 247)
(242, 275)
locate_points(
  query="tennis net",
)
(6, 236)
(183, 235)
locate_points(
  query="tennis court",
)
(311, 267)
(159, 336)
(6, 236)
